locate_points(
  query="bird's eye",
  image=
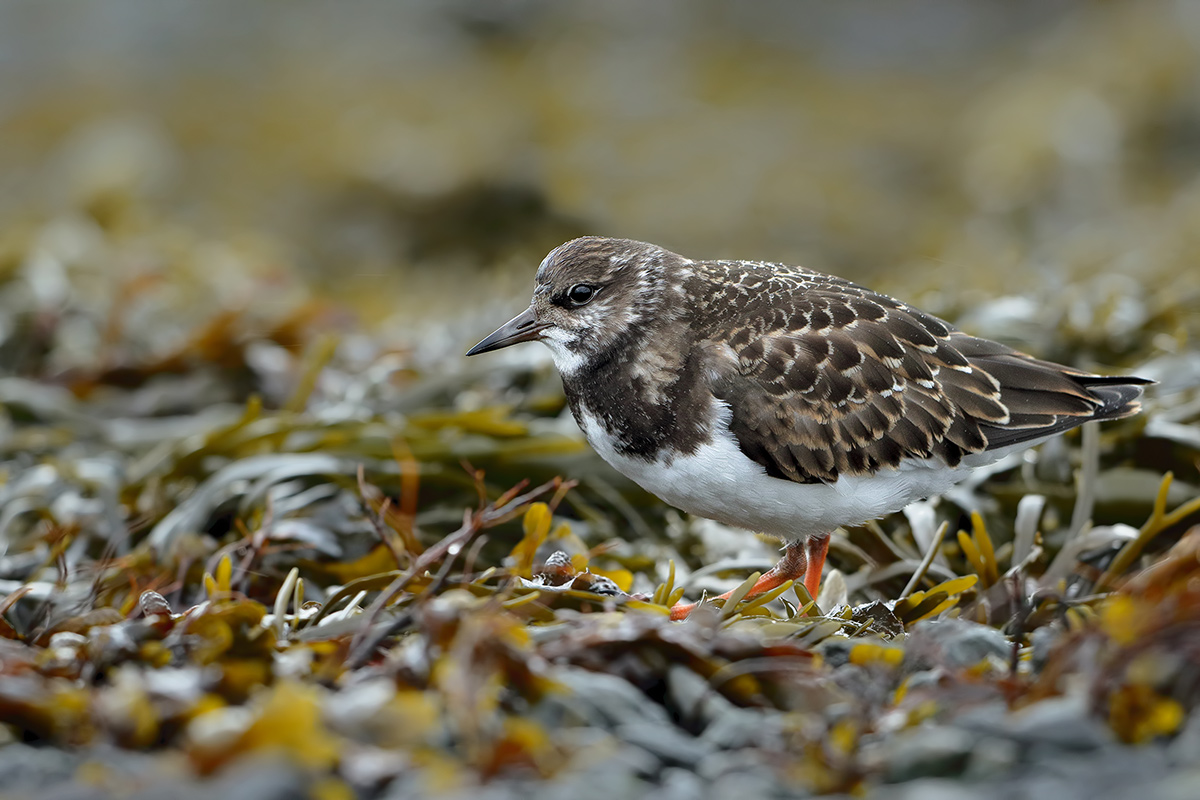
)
(580, 294)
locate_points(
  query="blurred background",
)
(244, 246)
(411, 162)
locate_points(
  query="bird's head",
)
(592, 294)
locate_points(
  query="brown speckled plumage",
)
(781, 399)
(822, 377)
(826, 378)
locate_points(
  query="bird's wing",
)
(852, 381)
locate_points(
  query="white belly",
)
(719, 482)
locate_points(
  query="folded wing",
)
(852, 382)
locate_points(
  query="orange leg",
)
(800, 560)
(818, 548)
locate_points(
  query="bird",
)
(783, 400)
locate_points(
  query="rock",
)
(930, 751)
(960, 643)
(1062, 723)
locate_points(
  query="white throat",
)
(567, 361)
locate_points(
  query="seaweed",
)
(263, 529)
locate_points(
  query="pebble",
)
(961, 643)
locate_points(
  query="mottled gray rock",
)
(1062, 723)
(927, 751)
(960, 643)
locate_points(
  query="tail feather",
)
(1113, 397)
(1118, 397)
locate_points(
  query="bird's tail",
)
(1119, 396)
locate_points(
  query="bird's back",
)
(825, 378)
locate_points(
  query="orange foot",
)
(805, 559)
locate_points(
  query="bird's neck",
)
(648, 388)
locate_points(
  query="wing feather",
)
(825, 378)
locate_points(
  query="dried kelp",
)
(264, 532)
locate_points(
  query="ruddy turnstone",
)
(780, 399)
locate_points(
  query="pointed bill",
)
(524, 327)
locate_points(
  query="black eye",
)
(580, 294)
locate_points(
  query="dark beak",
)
(524, 327)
